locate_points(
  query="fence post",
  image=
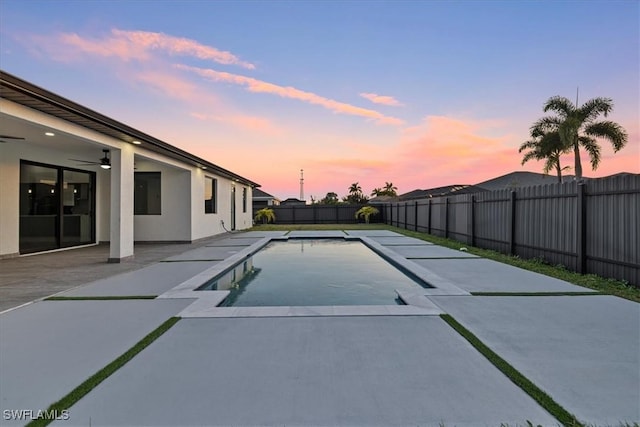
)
(429, 218)
(293, 214)
(406, 208)
(446, 218)
(398, 214)
(473, 221)
(415, 216)
(512, 223)
(581, 229)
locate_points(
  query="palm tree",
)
(545, 146)
(377, 192)
(366, 212)
(265, 215)
(355, 194)
(578, 126)
(355, 188)
(390, 189)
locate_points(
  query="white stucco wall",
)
(245, 219)
(9, 200)
(174, 222)
(204, 224)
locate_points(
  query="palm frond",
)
(610, 131)
(593, 149)
(549, 164)
(531, 155)
(559, 104)
(531, 144)
(591, 109)
(545, 124)
(552, 141)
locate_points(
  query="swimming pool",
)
(313, 272)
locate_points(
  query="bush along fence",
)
(589, 227)
(320, 214)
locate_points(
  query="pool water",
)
(308, 272)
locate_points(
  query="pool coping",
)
(417, 303)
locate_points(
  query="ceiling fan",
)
(16, 138)
(105, 162)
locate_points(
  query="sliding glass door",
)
(39, 208)
(56, 207)
(77, 212)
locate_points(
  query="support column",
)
(121, 221)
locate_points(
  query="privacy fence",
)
(591, 227)
(318, 214)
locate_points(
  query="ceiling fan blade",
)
(10, 137)
(88, 162)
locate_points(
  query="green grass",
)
(101, 298)
(515, 376)
(92, 382)
(606, 286)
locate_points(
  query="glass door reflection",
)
(39, 208)
(77, 208)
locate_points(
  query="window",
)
(210, 193)
(244, 200)
(147, 194)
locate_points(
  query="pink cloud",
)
(180, 46)
(380, 99)
(175, 87)
(133, 45)
(259, 86)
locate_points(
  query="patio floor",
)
(304, 367)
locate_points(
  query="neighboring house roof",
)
(259, 194)
(292, 200)
(383, 199)
(22, 92)
(617, 175)
(521, 179)
(441, 191)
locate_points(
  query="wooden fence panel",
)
(411, 215)
(437, 217)
(459, 218)
(554, 238)
(491, 214)
(423, 216)
(612, 223)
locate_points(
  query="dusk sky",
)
(419, 93)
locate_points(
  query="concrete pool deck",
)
(354, 367)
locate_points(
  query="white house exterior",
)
(51, 197)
